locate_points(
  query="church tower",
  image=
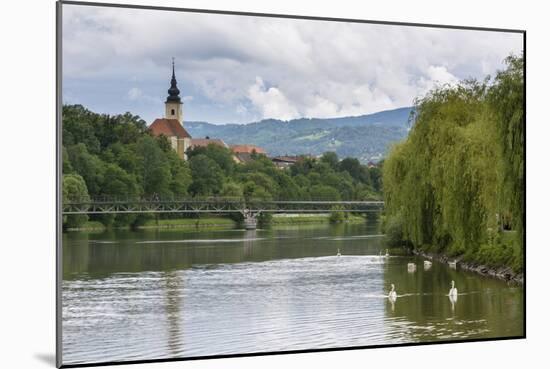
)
(173, 104)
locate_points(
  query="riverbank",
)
(221, 222)
(189, 223)
(210, 222)
(286, 219)
(501, 272)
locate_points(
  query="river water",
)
(171, 293)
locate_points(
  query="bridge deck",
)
(219, 206)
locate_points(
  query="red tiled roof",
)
(203, 142)
(239, 149)
(168, 127)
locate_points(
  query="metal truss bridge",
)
(250, 207)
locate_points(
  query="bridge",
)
(249, 208)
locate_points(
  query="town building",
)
(244, 153)
(171, 126)
(282, 162)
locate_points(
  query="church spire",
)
(173, 91)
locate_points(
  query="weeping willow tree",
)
(456, 184)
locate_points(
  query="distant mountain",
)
(366, 137)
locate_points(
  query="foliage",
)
(74, 189)
(459, 174)
(365, 137)
(207, 176)
(117, 157)
(337, 215)
(393, 228)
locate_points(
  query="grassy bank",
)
(223, 222)
(311, 218)
(209, 222)
(503, 251)
(90, 225)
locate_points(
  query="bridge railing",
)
(104, 205)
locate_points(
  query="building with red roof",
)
(247, 149)
(171, 126)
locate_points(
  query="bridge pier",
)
(250, 221)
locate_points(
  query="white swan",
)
(427, 264)
(392, 295)
(453, 292)
(338, 253)
(387, 253)
(411, 267)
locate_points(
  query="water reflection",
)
(148, 295)
(453, 299)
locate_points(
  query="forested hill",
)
(366, 137)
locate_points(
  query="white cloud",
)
(436, 76)
(135, 93)
(271, 102)
(308, 68)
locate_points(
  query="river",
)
(154, 294)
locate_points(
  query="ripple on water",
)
(288, 304)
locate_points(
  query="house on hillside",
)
(243, 153)
(203, 142)
(282, 162)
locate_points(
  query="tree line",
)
(116, 156)
(456, 184)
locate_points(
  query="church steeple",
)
(173, 104)
(173, 91)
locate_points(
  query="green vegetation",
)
(310, 219)
(456, 183)
(365, 137)
(116, 156)
(190, 222)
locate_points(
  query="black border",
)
(59, 220)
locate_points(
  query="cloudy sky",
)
(237, 69)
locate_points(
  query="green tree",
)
(154, 170)
(355, 169)
(457, 176)
(330, 158)
(180, 175)
(221, 155)
(87, 165)
(207, 176)
(324, 193)
(232, 189)
(507, 99)
(74, 190)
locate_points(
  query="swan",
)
(411, 267)
(427, 264)
(452, 264)
(338, 253)
(392, 295)
(387, 253)
(453, 292)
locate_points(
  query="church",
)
(171, 126)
